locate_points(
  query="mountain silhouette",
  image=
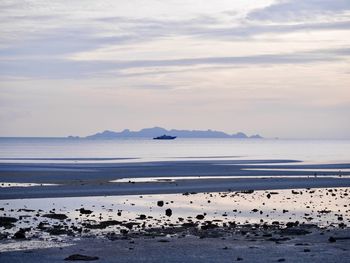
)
(158, 131)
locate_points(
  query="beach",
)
(176, 211)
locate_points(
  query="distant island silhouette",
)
(157, 131)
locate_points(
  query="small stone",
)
(168, 212)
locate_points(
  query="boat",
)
(164, 137)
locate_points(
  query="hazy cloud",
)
(294, 10)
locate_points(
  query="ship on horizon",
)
(164, 137)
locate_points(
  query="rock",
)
(56, 216)
(247, 191)
(7, 222)
(76, 257)
(20, 234)
(103, 224)
(160, 203)
(281, 260)
(200, 217)
(85, 211)
(168, 212)
(292, 224)
(141, 217)
(239, 259)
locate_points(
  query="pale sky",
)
(277, 68)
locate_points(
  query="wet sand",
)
(84, 179)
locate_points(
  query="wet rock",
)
(20, 234)
(76, 257)
(189, 225)
(25, 210)
(160, 203)
(209, 226)
(200, 217)
(130, 225)
(141, 217)
(56, 231)
(7, 222)
(168, 212)
(103, 224)
(85, 211)
(56, 216)
(292, 224)
(247, 191)
(43, 226)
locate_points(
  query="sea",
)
(66, 150)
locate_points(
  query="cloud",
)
(287, 10)
(59, 68)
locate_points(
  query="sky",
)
(277, 68)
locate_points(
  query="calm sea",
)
(83, 150)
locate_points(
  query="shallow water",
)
(62, 150)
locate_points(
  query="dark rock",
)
(247, 191)
(20, 234)
(56, 216)
(76, 257)
(25, 210)
(200, 217)
(281, 260)
(103, 224)
(141, 217)
(7, 222)
(160, 203)
(239, 259)
(292, 224)
(85, 211)
(168, 212)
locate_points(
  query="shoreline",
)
(69, 180)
